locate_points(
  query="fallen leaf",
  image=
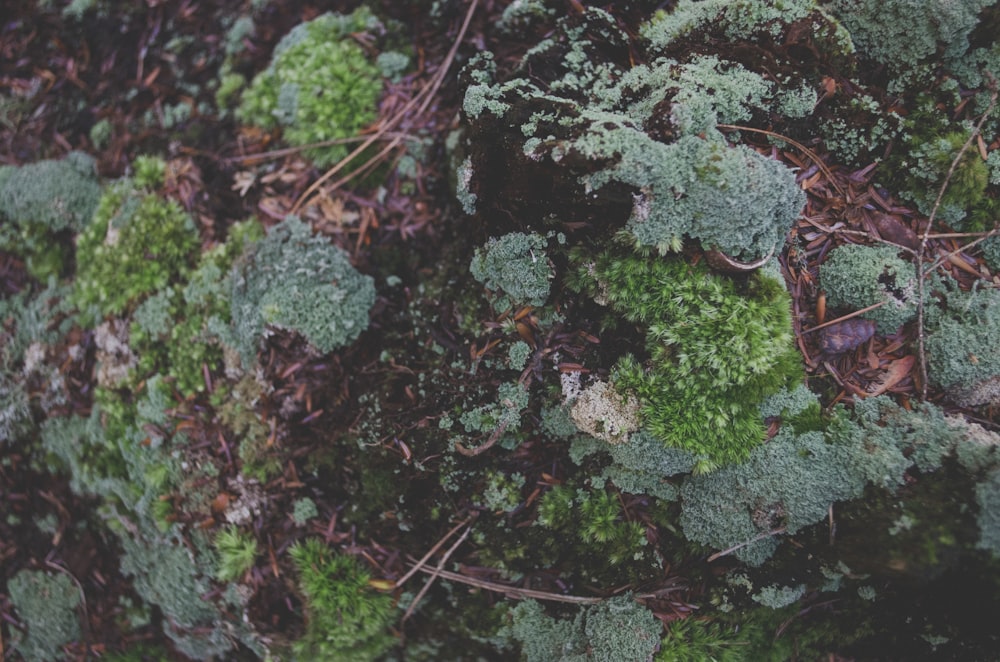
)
(895, 373)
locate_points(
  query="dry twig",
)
(435, 573)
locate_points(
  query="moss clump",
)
(138, 243)
(346, 619)
(856, 277)
(294, 281)
(320, 85)
(928, 158)
(46, 604)
(717, 349)
(640, 465)
(963, 346)
(988, 500)
(577, 119)
(516, 265)
(615, 630)
(41, 205)
(237, 551)
(175, 331)
(790, 482)
(902, 34)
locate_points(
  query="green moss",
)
(41, 204)
(927, 158)
(137, 244)
(320, 85)
(236, 551)
(346, 619)
(516, 265)
(716, 350)
(856, 277)
(295, 281)
(47, 605)
(697, 640)
(963, 346)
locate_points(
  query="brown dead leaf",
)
(893, 229)
(895, 373)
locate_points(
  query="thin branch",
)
(922, 251)
(435, 573)
(513, 591)
(736, 548)
(440, 543)
(845, 317)
(961, 249)
(270, 155)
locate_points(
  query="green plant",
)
(856, 277)
(346, 618)
(41, 205)
(320, 85)
(516, 265)
(237, 551)
(295, 281)
(717, 349)
(46, 604)
(137, 244)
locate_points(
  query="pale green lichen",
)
(41, 204)
(47, 605)
(294, 281)
(963, 346)
(855, 277)
(903, 33)
(515, 265)
(589, 114)
(777, 597)
(790, 483)
(616, 630)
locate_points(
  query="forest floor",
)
(60, 77)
